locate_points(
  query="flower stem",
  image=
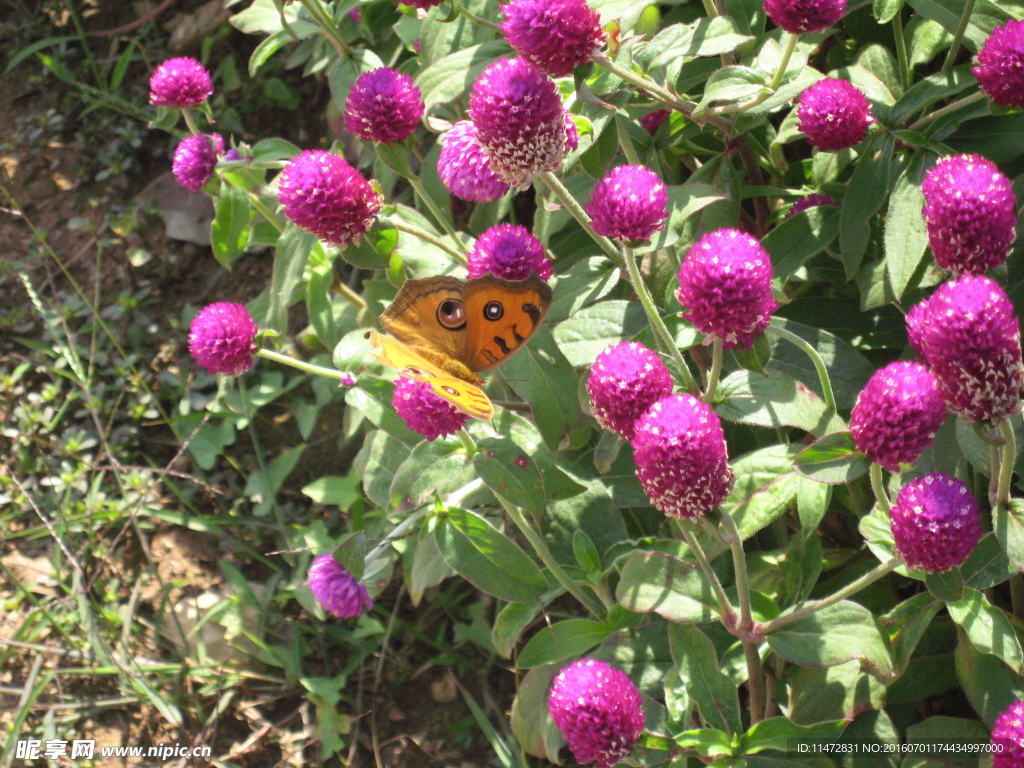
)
(958, 36)
(566, 199)
(478, 20)
(276, 221)
(302, 365)
(725, 609)
(316, 10)
(850, 589)
(755, 681)
(819, 364)
(901, 51)
(879, 487)
(1009, 453)
(444, 221)
(412, 229)
(735, 541)
(626, 143)
(717, 354)
(948, 109)
(467, 443)
(190, 120)
(787, 54)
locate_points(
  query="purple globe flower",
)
(799, 16)
(519, 120)
(598, 710)
(195, 158)
(508, 251)
(652, 120)
(969, 336)
(1008, 737)
(1000, 69)
(971, 214)
(681, 458)
(725, 287)
(424, 412)
(897, 414)
(181, 82)
(383, 105)
(626, 380)
(810, 201)
(572, 133)
(325, 195)
(222, 338)
(834, 114)
(464, 166)
(629, 204)
(335, 588)
(556, 36)
(935, 523)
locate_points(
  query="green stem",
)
(326, 23)
(467, 443)
(879, 487)
(1009, 454)
(709, 9)
(787, 54)
(717, 355)
(755, 681)
(901, 50)
(276, 221)
(1017, 595)
(190, 120)
(478, 20)
(811, 352)
(302, 365)
(725, 609)
(949, 108)
(541, 548)
(422, 234)
(993, 473)
(349, 295)
(739, 561)
(443, 220)
(958, 36)
(662, 337)
(626, 143)
(850, 589)
(566, 199)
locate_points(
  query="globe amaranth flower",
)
(325, 195)
(799, 16)
(336, 589)
(181, 82)
(598, 710)
(1000, 69)
(681, 458)
(725, 287)
(195, 158)
(519, 120)
(970, 338)
(424, 412)
(810, 201)
(1008, 737)
(383, 105)
(897, 414)
(222, 338)
(508, 251)
(970, 212)
(625, 380)
(630, 203)
(556, 36)
(935, 523)
(652, 120)
(464, 166)
(834, 114)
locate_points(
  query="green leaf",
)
(947, 736)
(376, 463)
(293, 248)
(766, 486)
(563, 640)
(713, 692)
(666, 585)
(778, 732)
(231, 224)
(451, 76)
(834, 693)
(510, 472)
(429, 568)
(318, 303)
(430, 466)
(934, 88)
(595, 328)
(732, 83)
(374, 250)
(834, 635)
(704, 37)
(372, 398)
(834, 459)
(799, 238)
(588, 281)
(864, 196)
(906, 624)
(510, 623)
(530, 718)
(1008, 526)
(985, 16)
(947, 586)
(990, 687)
(587, 556)
(683, 201)
(774, 400)
(273, 151)
(988, 627)
(886, 10)
(338, 491)
(988, 564)
(905, 235)
(486, 558)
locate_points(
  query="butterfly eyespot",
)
(451, 314)
(493, 310)
(529, 308)
(451, 391)
(417, 371)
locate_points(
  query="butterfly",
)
(442, 330)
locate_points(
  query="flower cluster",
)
(970, 212)
(630, 203)
(325, 195)
(424, 412)
(725, 287)
(834, 114)
(181, 82)
(799, 16)
(556, 36)
(935, 523)
(626, 380)
(222, 338)
(969, 335)
(336, 589)
(599, 711)
(508, 251)
(464, 167)
(195, 158)
(384, 105)
(1008, 737)
(1000, 69)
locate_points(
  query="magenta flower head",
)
(464, 166)
(424, 412)
(970, 212)
(383, 105)
(897, 414)
(1000, 69)
(556, 36)
(834, 114)
(325, 195)
(652, 120)
(598, 710)
(935, 523)
(725, 287)
(799, 16)
(969, 335)
(681, 458)
(222, 338)
(629, 204)
(508, 251)
(335, 588)
(626, 380)
(195, 158)
(810, 201)
(1008, 737)
(181, 82)
(519, 120)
